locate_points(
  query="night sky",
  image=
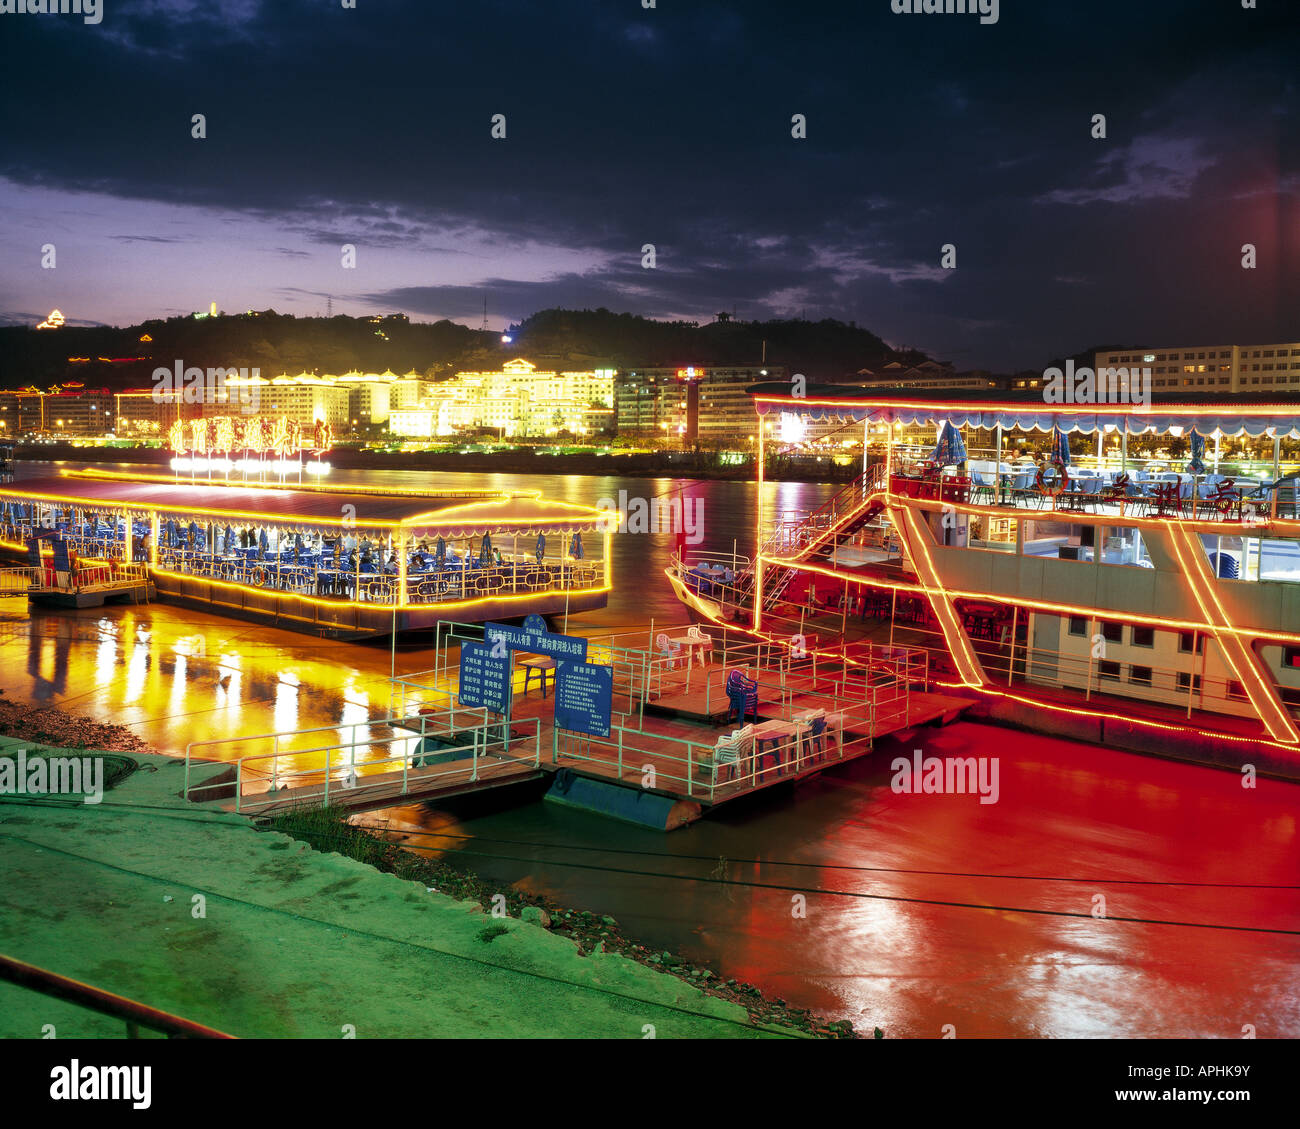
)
(669, 126)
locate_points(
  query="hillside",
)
(122, 357)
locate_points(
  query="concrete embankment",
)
(199, 913)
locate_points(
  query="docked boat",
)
(1138, 592)
(344, 563)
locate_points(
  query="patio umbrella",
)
(485, 551)
(575, 550)
(194, 533)
(297, 546)
(169, 532)
(227, 545)
(1196, 464)
(541, 547)
(440, 553)
(263, 544)
(951, 448)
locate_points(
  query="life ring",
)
(1055, 492)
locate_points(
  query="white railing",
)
(15, 581)
(673, 764)
(268, 775)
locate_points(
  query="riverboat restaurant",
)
(340, 563)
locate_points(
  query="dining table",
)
(786, 739)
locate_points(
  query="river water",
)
(1104, 894)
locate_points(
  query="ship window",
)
(1113, 632)
(1235, 689)
(1291, 657)
(1078, 625)
(1185, 643)
(1144, 636)
(1140, 674)
(1109, 670)
(1185, 680)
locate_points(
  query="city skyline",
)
(920, 134)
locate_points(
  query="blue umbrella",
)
(541, 547)
(575, 551)
(485, 551)
(263, 544)
(227, 545)
(951, 449)
(1060, 449)
(169, 532)
(194, 534)
(1196, 465)
(440, 552)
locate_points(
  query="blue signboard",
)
(484, 680)
(567, 647)
(534, 624)
(584, 695)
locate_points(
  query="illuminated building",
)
(690, 403)
(1214, 369)
(516, 401)
(304, 399)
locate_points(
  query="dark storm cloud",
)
(672, 127)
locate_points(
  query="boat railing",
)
(676, 765)
(17, 581)
(293, 775)
(281, 572)
(1097, 667)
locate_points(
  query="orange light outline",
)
(1287, 410)
(306, 487)
(991, 691)
(320, 601)
(1042, 605)
(1285, 730)
(959, 644)
(598, 516)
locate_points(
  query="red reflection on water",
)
(1036, 961)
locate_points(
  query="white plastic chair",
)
(696, 635)
(669, 650)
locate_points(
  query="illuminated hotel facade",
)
(516, 401)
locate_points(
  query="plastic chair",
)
(696, 635)
(726, 754)
(669, 650)
(742, 693)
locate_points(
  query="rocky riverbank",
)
(49, 725)
(327, 830)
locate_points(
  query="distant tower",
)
(484, 326)
(329, 305)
